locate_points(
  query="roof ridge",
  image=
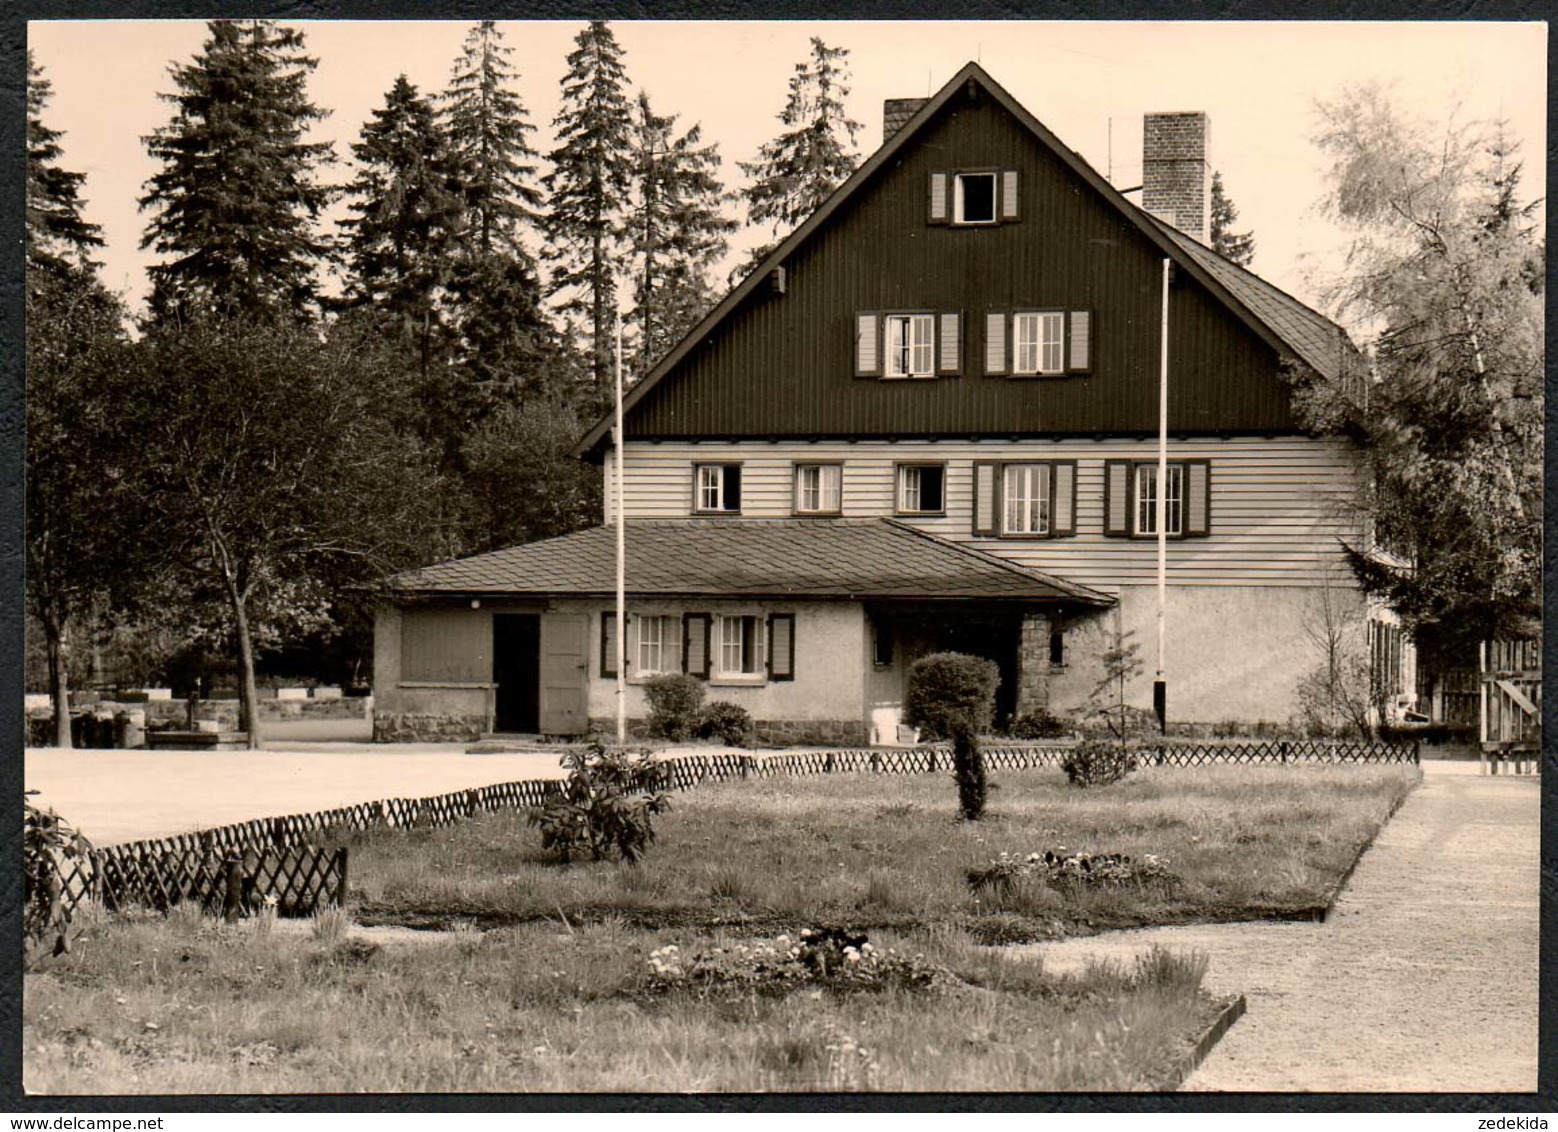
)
(1025, 571)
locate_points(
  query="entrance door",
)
(564, 673)
(516, 670)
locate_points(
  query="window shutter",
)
(608, 644)
(781, 646)
(985, 503)
(1198, 498)
(951, 343)
(695, 645)
(1063, 498)
(867, 345)
(1009, 195)
(732, 492)
(938, 198)
(1080, 341)
(995, 342)
(1117, 498)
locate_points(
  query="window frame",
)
(636, 662)
(757, 673)
(910, 320)
(1040, 316)
(820, 511)
(727, 468)
(899, 471)
(1177, 473)
(955, 206)
(1040, 470)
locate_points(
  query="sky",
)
(1089, 82)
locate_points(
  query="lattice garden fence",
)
(238, 869)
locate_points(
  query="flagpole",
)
(621, 509)
(1160, 685)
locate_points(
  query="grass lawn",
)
(888, 851)
(547, 983)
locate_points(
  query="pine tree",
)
(238, 196)
(488, 131)
(589, 186)
(57, 234)
(798, 170)
(1236, 247)
(677, 232)
(402, 244)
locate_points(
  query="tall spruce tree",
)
(78, 547)
(489, 132)
(1444, 281)
(677, 232)
(591, 177)
(236, 202)
(1236, 247)
(409, 216)
(793, 174)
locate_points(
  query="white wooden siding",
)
(1278, 504)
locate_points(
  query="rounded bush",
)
(1096, 763)
(725, 721)
(1038, 724)
(948, 691)
(674, 702)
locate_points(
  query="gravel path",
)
(1423, 979)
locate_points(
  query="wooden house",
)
(928, 421)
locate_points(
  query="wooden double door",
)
(540, 664)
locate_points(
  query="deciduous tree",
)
(1444, 283)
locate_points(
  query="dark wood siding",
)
(784, 364)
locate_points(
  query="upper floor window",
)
(973, 198)
(717, 488)
(1147, 500)
(1025, 490)
(1025, 499)
(921, 489)
(1132, 491)
(1039, 342)
(979, 196)
(1029, 343)
(818, 489)
(911, 345)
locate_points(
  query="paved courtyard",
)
(114, 796)
(1423, 979)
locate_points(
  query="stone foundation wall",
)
(409, 727)
(775, 732)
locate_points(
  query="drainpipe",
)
(618, 435)
(1160, 685)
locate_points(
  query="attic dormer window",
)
(973, 198)
(977, 197)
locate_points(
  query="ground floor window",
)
(740, 651)
(653, 633)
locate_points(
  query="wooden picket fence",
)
(241, 868)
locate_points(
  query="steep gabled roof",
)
(1269, 313)
(856, 559)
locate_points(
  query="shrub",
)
(606, 805)
(725, 721)
(1098, 763)
(952, 696)
(1037, 725)
(674, 701)
(48, 841)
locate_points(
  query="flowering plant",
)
(829, 956)
(1061, 869)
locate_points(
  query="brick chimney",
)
(896, 112)
(1176, 175)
